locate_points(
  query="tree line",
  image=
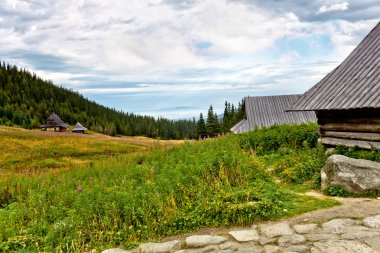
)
(214, 126)
(27, 100)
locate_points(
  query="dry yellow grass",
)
(35, 151)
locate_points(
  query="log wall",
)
(358, 127)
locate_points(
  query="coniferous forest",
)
(27, 100)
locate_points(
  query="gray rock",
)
(337, 226)
(353, 234)
(249, 248)
(210, 248)
(354, 175)
(197, 241)
(288, 240)
(339, 246)
(315, 250)
(163, 247)
(276, 229)
(245, 235)
(373, 242)
(305, 228)
(229, 245)
(265, 240)
(115, 250)
(330, 151)
(271, 249)
(372, 221)
(297, 248)
(314, 237)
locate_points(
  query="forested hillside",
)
(27, 100)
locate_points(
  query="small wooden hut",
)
(55, 123)
(78, 128)
(266, 111)
(347, 100)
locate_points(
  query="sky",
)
(175, 58)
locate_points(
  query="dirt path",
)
(349, 208)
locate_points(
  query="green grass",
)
(142, 193)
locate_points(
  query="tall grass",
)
(125, 200)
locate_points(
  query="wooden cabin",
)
(266, 111)
(78, 128)
(347, 100)
(54, 123)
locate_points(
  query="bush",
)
(270, 139)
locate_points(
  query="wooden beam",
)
(326, 120)
(350, 143)
(351, 127)
(352, 135)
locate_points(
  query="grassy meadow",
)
(64, 193)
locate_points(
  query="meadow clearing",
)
(69, 193)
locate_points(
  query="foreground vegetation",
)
(145, 192)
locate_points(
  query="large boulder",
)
(353, 175)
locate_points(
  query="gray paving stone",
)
(372, 221)
(340, 246)
(197, 241)
(305, 228)
(276, 229)
(314, 237)
(163, 247)
(115, 250)
(373, 242)
(337, 226)
(245, 235)
(297, 248)
(355, 235)
(210, 248)
(263, 240)
(271, 249)
(229, 245)
(287, 240)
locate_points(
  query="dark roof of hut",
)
(267, 111)
(54, 121)
(354, 84)
(78, 127)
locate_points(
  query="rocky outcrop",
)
(353, 175)
(337, 235)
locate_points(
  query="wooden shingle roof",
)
(354, 84)
(78, 127)
(267, 111)
(54, 121)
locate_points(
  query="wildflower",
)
(91, 178)
(79, 188)
(52, 187)
(59, 180)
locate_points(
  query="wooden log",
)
(322, 120)
(351, 127)
(350, 143)
(352, 135)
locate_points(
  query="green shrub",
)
(270, 139)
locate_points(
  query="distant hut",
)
(267, 111)
(55, 123)
(347, 100)
(78, 128)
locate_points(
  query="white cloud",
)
(125, 44)
(334, 7)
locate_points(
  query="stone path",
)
(339, 235)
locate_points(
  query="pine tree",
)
(201, 127)
(212, 123)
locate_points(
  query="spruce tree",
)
(201, 127)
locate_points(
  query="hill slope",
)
(27, 100)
